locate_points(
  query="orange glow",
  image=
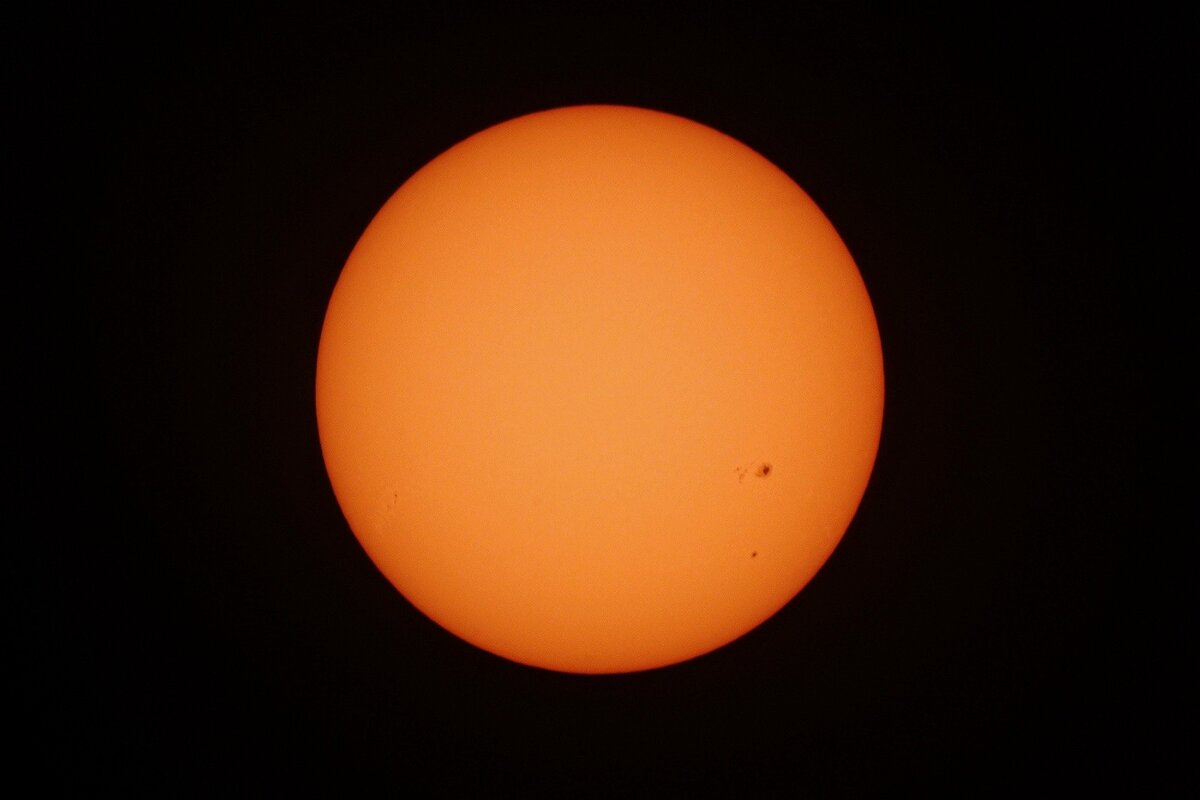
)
(599, 389)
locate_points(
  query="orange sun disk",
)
(599, 389)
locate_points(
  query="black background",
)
(1001, 613)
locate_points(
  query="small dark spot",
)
(754, 554)
(764, 469)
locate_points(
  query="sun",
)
(599, 389)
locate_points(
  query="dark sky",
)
(1001, 612)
